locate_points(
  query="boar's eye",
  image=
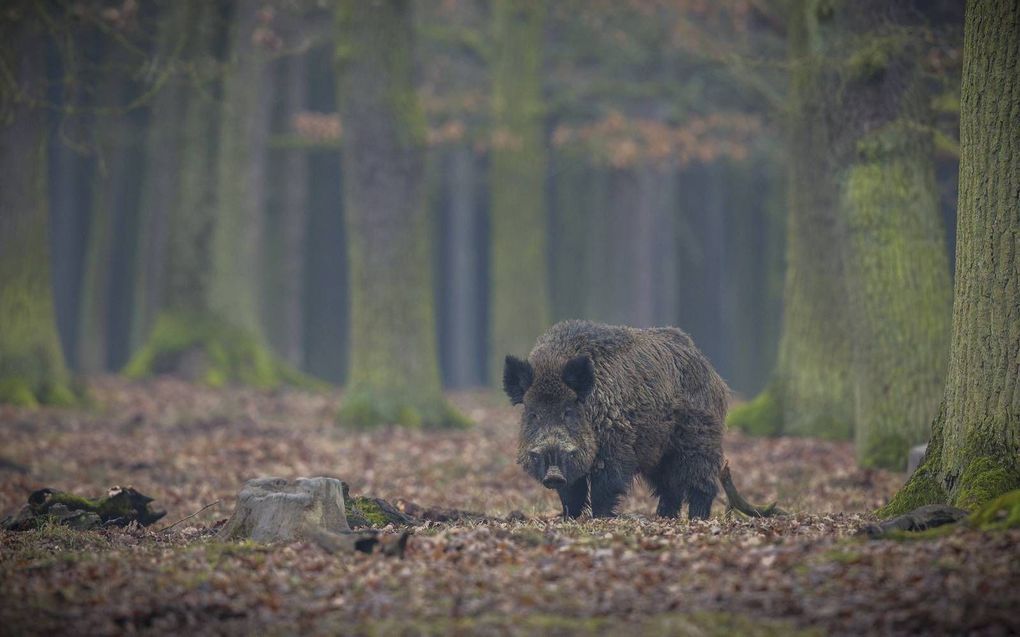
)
(532, 417)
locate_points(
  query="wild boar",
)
(605, 403)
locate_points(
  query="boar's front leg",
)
(609, 482)
(574, 498)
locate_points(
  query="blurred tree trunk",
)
(111, 156)
(974, 453)
(32, 365)
(519, 293)
(463, 292)
(811, 392)
(190, 337)
(897, 269)
(571, 225)
(162, 179)
(394, 370)
(235, 282)
(293, 221)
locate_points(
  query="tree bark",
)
(394, 370)
(974, 453)
(813, 383)
(32, 365)
(898, 286)
(235, 280)
(519, 306)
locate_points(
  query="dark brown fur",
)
(605, 403)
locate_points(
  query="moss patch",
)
(763, 416)
(983, 480)
(1001, 513)
(363, 410)
(212, 351)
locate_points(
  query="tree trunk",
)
(463, 270)
(110, 148)
(394, 370)
(897, 269)
(293, 219)
(519, 271)
(189, 336)
(812, 384)
(162, 177)
(32, 366)
(235, 280)
(974, 453)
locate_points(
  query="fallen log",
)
(120, 507)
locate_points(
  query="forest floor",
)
(188, 446)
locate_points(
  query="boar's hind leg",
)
(574, 498)
(697, 445)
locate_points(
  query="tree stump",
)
(277, 509)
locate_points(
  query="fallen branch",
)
(738, 503)
(920, 519)
(188, 517)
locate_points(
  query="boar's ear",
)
(579, 375)
(517, 377)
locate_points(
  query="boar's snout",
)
(554, 478)
(551, 462)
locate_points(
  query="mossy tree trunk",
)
(32, 368)
(394, 369)
(812, 384)
(189, 336)
(864, 328)
(519, 305)
(974, 454)
(235, 280)
(898, 286)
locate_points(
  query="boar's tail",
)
(737, 501)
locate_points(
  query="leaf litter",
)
(517, 569)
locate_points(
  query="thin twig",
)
(167, 528)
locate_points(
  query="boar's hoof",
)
(554, 478)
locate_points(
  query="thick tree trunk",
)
(394, 371)
(235, 282)
(813, 383)
(974, 454)
(519, 271)
(897, 268)
(162, 177)
(31, 362)
(190, 336)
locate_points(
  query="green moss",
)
(982, 481)
(370, 511)
(363, 410)
(211, 351)
(762, 416)
(16, 391)
(921, 489)
(1001, 513)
